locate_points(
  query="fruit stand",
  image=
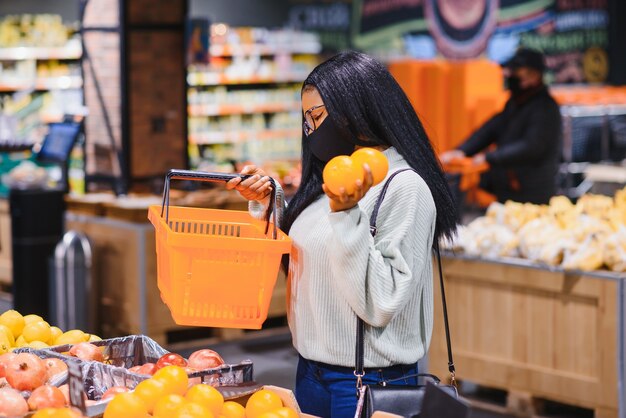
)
(546, 333)
(50, 373)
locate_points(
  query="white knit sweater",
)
(338, 270)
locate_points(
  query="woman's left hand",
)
(344, 201)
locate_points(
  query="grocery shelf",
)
(68, 52)
(262, 49)
(49, 83)
(209, 79)
(241, 109)
(208, 138)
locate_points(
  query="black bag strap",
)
(359, 371)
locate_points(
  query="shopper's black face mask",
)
(327, 141)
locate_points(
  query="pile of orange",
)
(342, 172)
(57, 413)
(166, 395)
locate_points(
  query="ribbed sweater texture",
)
(338, 270)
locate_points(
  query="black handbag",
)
(405, 401)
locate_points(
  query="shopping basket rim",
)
(154, 215)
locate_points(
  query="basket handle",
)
(175, 174)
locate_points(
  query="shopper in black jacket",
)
(527, 135)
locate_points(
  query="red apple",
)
(54, 366)
(46, 396)
(112, 391)
(134, 369)
(171, 359)
(205, 359)
(87, 352)
(26, 372)
(148, 369)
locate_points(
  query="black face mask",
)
(327, 141)
(513, 83)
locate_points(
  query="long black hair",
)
(363, 99)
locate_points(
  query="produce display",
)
(587, 235)
(18, 331)
(343, 171)
(34, 373)
(27, 384)
(169, 394)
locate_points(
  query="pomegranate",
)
(112, 391)
(12, 404)
(148, 369)
(54, 366)
(4, 360)
(193, 380)
(205, 359)
(87, 351)
(46, 396)
(171, 359)
(65, 390)
(134, 369)
(26, 372)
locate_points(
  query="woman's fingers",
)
(369, 178)
(233, 183)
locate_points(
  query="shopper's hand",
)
(256, 187)
(344, 201)
(451, 155)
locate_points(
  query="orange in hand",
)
(342, 172)
(376, 160)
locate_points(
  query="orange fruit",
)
(45, 413)
(342, 172)
(150, 391)
(286, 412)
(270, 414)
(58, 413)
(175, 379)
(207, 396)
(126, 405)
(261, 402)
(232, 409)
(193, 410)
(376, 160)
(167, 405)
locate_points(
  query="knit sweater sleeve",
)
(258, 209)
(375, 274)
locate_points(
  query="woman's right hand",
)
(257, 187)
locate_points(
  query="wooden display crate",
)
(549, 334)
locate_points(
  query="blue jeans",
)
(330, 391)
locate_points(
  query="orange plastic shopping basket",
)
(215, 267)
